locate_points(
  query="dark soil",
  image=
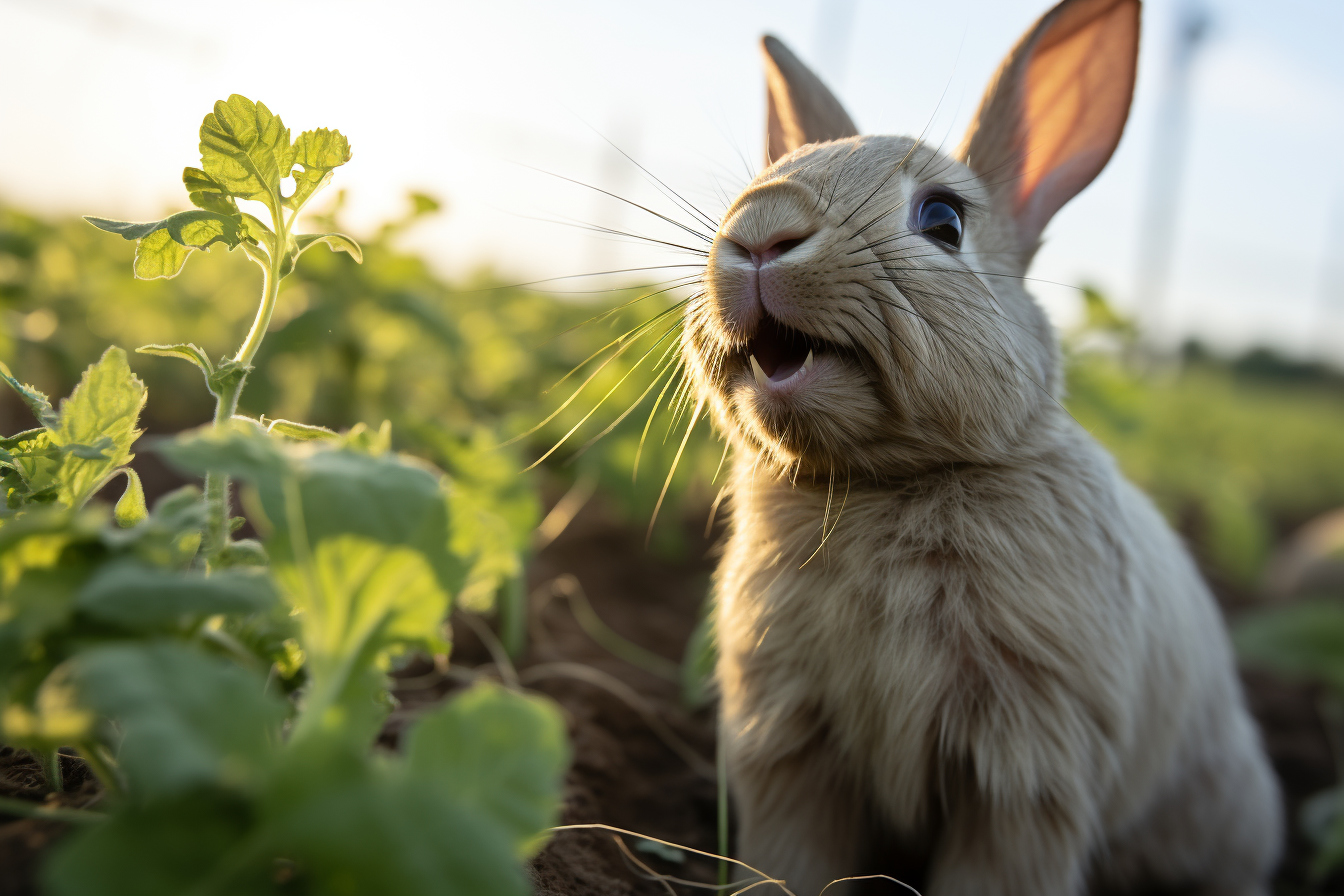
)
(625, 774)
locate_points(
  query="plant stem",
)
(216, 483)
(50, 761)
(26, 809)
(226, 401)
(105, 772)
(721, 763)
(270, 290)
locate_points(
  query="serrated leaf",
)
(204, 192)
(37, 402)
(187, 719)
(37, 463)
(338, 242)
(185, 350)
(131, 507)
(318, 152)
(105, 405)
(246, 149)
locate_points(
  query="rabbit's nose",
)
(767, 250)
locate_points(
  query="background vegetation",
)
(477, 376)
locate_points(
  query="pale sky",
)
(101, 102)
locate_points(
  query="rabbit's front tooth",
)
(756, 371)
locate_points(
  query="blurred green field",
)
(1237, 453)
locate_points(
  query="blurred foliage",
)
(1234, 453)
(457, 368)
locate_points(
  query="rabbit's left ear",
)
(799, 108)
(1054, 111)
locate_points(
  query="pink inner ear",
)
(1075, 99)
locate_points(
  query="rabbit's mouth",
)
(780, 356)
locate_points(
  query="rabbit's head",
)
(864, 307)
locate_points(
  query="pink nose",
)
(771, 249)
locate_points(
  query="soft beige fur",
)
(948, 627)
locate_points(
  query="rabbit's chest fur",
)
(997, 629)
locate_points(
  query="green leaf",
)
(238, 448)
(36, 401)
(163, 849)
(131, 508)
(1302, 641)
(105, 405)
(164, 245)
(194, 229)
(358, 594)
(501, 753)
(36, 463)
(358, 602)
(204, 192)
(391, 833)
(187, 719)
(37, 593)
(185, 350)
(226, 376)
(385, 498)
(246, 150)
(157, 256)
(302, 432)
(319, 152)
(338, 242)
(136, 597)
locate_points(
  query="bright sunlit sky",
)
(101, 102)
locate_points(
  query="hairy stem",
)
(226, 401)
(270, 290)
(217, 484)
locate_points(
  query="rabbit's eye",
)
(938, 219)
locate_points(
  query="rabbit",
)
(950, 633)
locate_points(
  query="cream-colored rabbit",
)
(1001, 661)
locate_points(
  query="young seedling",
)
(246, 154)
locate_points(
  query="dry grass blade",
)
(628, 695)
(764, 878)
(568, 587)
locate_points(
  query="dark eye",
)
(938, 219)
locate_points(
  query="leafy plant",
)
(246, 154)
(228, 693)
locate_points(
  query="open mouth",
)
(778, 353)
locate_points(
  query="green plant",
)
(246, 154)
(228, 694)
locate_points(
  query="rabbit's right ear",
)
(1055, 110)
(800, 109)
